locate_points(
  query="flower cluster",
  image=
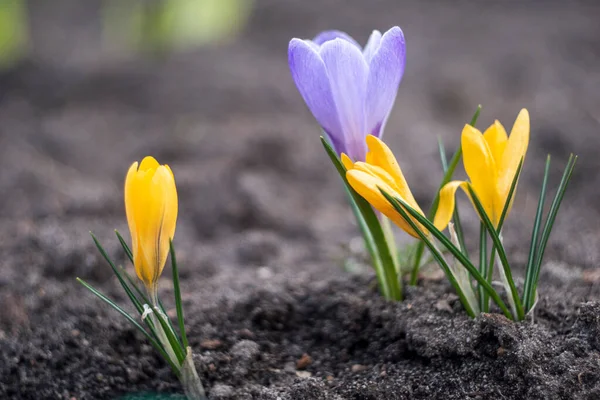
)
(351, 93)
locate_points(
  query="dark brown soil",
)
(264, 230)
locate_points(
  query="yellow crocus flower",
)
(151, 208)
(491, 161)
(381, 170)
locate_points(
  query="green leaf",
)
(501, 253)
(530, 270)
(509, 197)
(140, 293)
(560, 193)
(386, 270)
(403, 208)
(116, 271)
(177, 290)
(437, 256)
(126, 248)
(482, 264)
(172, 339)
(156, 344)
(436, 201)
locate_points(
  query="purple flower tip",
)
(349, 90)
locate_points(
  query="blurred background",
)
(88, 87)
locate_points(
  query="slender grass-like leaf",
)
(173, 341)
(140, 293)
(456, 216)
(530, 270)
(126, 248)
(369, 243)
(147, 321)
(482, 263)
(509, 197)
(436, 201)
(389, 280)
(155, 343)
(402, 207)
(437, 256)
(116, 271)
(177, 294)
(560, 193)
(501, 252)
(492, 261)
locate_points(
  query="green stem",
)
(383, 260)
(192, 386)
(482, 265)
(386, 226)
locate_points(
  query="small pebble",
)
(303, 374)
(304, 361)
(358, 368)
(245, 350)
(443, 305)
(211, 344)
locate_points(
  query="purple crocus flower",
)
(349, 90)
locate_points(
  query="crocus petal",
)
(380, 155)
(368, 187)
(348, 72)
(130, 187)
(481, 169)
(148, 214)
(496, 138)
(372, 46)
(379, 173)
(326, 36)
(151, 208)
(165, 185)
(310, 75)
(447, 203)
(346, 161)
(148, 163)
(386, 68)
(516, 148)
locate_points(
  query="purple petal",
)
(348, 73)
(372, 46)
(310, 75)
(326, 36)
(385, 72)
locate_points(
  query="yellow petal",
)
(347, 162)
(130, 182)
(377, 172)
(447, 203)
(151, 208)
(166, 185)
(496, 138)
(481, 169)
(148, 162)
(516, 148)
(381, 156)
(368, 186)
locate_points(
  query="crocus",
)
(381, 171)
(491, 161)
(151, 207)
(349, 90)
